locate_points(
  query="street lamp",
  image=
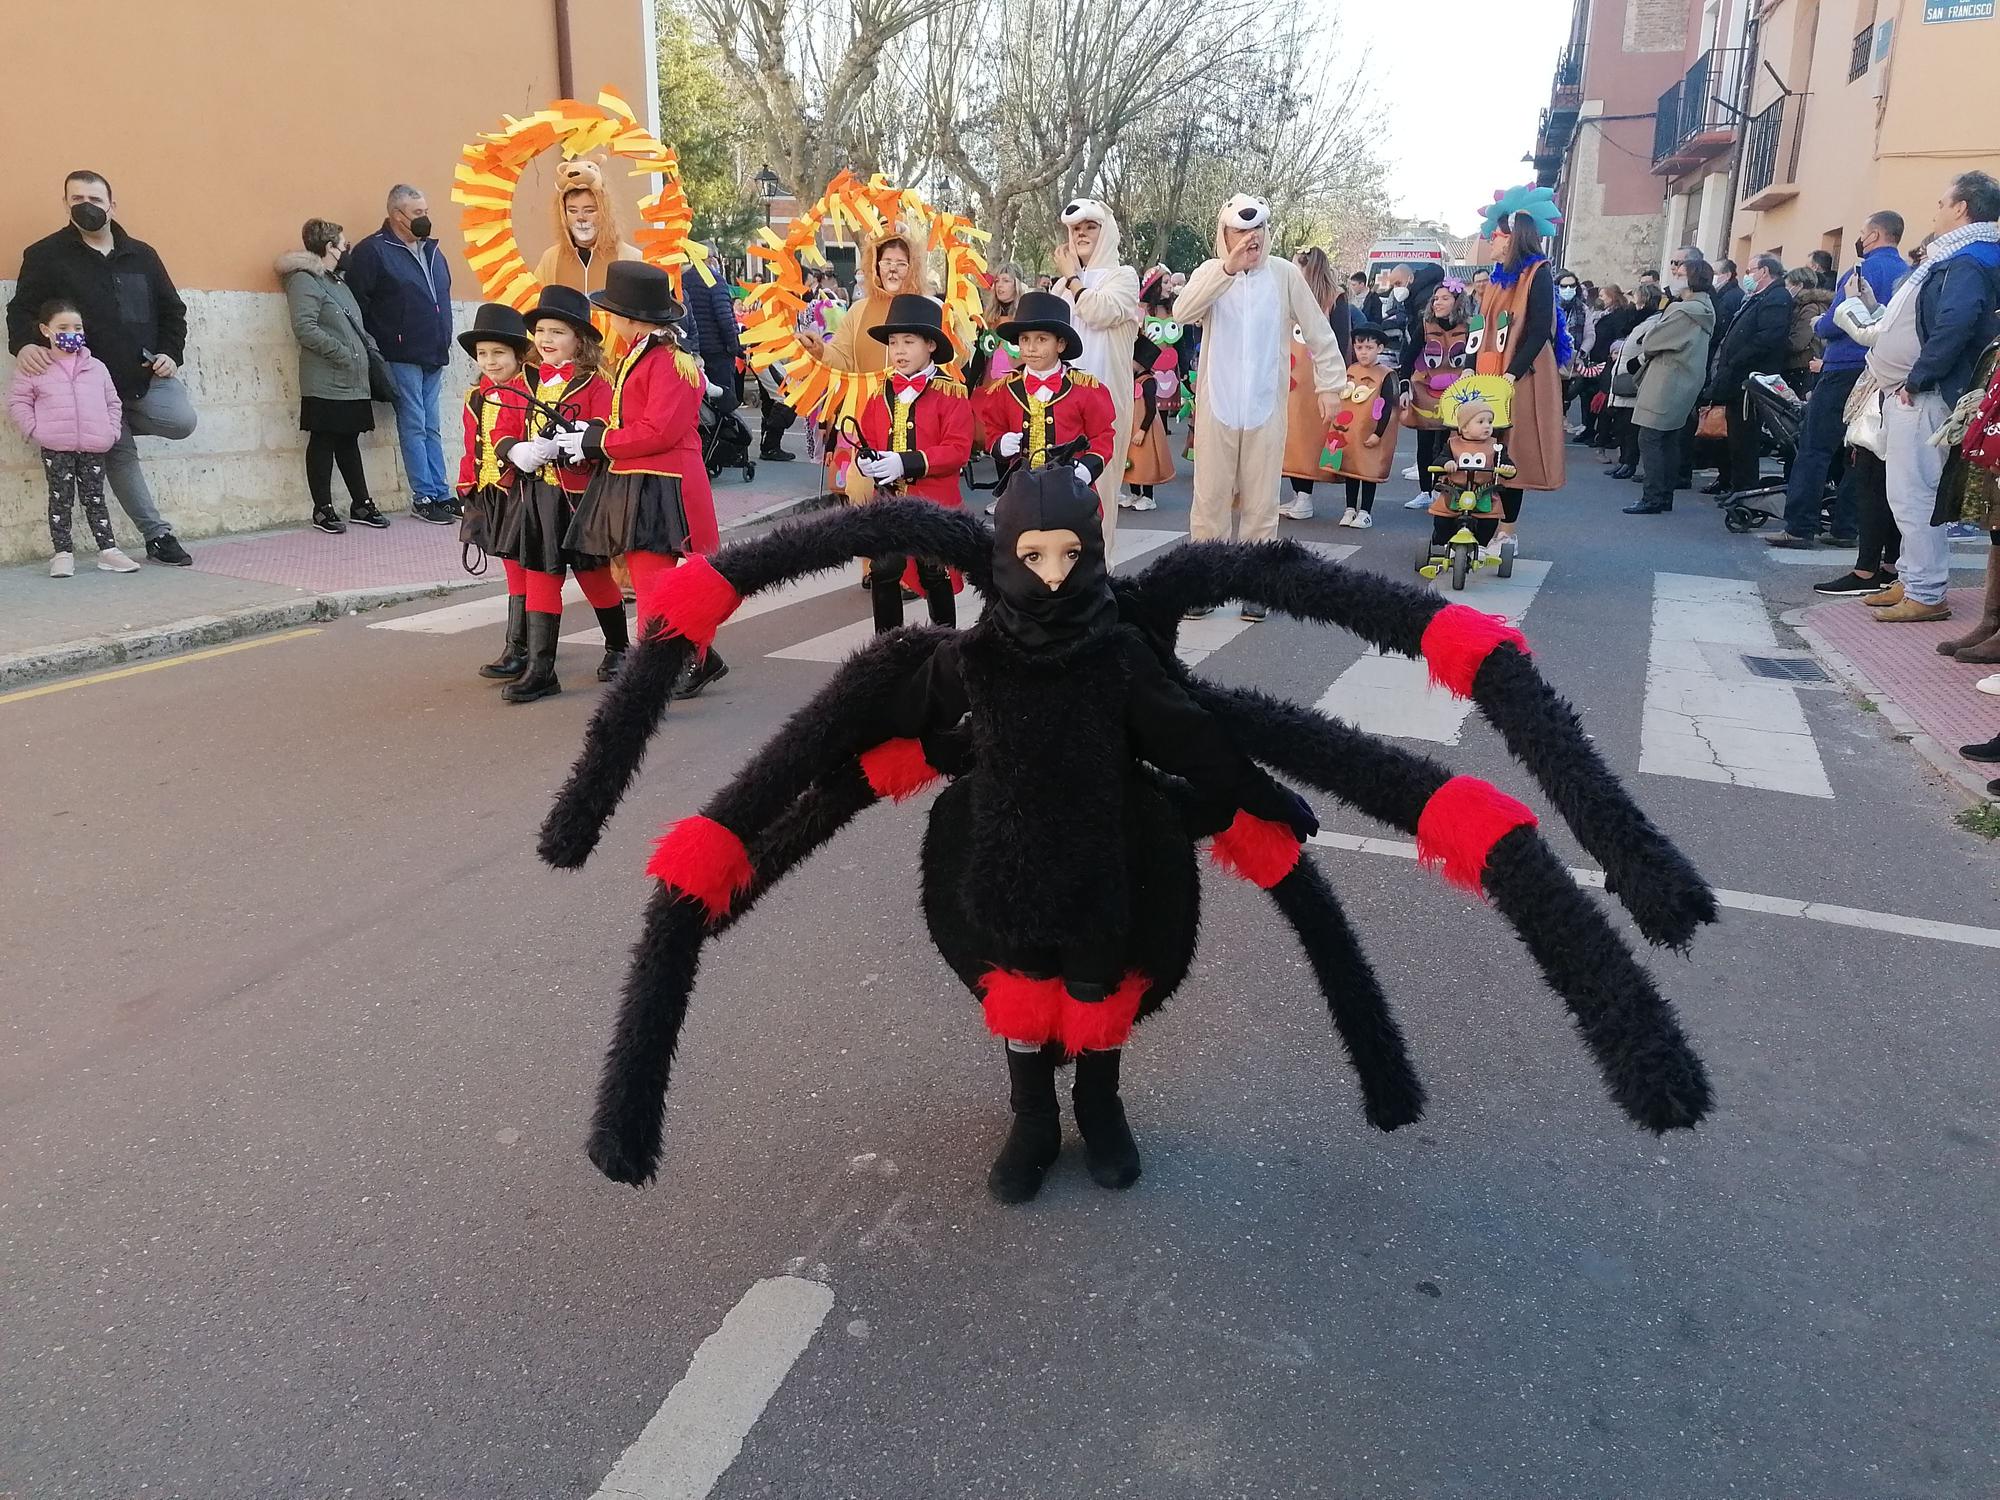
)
(768, 187)
(943, 192)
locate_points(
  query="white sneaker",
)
(111, 560)
(1300, 509)
(1413, 476)
(1362, 520)
(1144, 502)
(63, 565)
(1124, 500)
(1418, 501)
(1989, 684)
(1347, 517)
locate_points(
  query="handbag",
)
(1713, 423)
(1864, 428)
(1625, 380)
(380, 386)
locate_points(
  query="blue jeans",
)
(1820, 435)
(417, 431)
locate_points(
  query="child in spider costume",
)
(1065, 711)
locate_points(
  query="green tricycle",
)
(1460, 554)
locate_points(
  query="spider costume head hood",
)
(1048, 505)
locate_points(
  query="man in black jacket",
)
(135, 322)
(1754, 345)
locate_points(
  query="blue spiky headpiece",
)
(1538, 203)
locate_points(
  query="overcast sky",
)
(1456, 131)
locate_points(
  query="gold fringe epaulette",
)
(690, 368)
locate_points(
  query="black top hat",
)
(1373, 331)
(496, 323)
(567, 305)
(1043, 312)
(633, 289)
(923, 316)
(1145, 353)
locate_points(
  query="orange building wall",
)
(224, 125)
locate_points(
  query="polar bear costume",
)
(1243, 376)
(1104, 309)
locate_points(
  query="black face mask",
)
(346, 259)
(88, 217)
(1038, 617)
(420, 226)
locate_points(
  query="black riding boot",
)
(1036, 1137)
(513, 660)
(1112, 1154)
(700, 672)
(611, 621)
(540, 681)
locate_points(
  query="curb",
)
(25, 667)
(1949, 767)
(92, 653)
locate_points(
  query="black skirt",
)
(535, 525)
(337, 418)
(623, 513)
(488, 518)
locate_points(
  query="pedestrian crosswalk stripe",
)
(1832, 557)
(1705, 725)
(1393, 695)
(474, 614)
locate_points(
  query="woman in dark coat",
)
(334, 349)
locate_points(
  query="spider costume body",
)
(1086, 763)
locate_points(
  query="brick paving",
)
(1902, 661)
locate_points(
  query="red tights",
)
(544, 590)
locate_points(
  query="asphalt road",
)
(300, 1042)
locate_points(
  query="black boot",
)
(1036, 1138)
(611, 620)
(1108, 1146)
(540, 681)
(513, 660)
(700, 672)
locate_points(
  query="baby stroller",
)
(725, 437)
(1780, 413)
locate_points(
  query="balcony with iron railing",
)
(1864, 48)
(1771, 154)
(1566, 93)
(1696, 119)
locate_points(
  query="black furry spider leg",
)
(797, 549)
(1629, 1027)
(613, 748)
(1390, 1091)
(1666, 896)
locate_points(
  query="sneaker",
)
(776, 455)
(1985, 752)
(453, 507)
(1964, 531)
(1254, 612)
(1989, 685)
(1125, 502)
(431, 512)
(1418, 501)
(1144, 502)
(1300, 509)
(1347, 516)
(63, 565)
(162, 549)
(1362, 520)
(1413, 476)
(1830, 539)
(1786, 539)
(328, 520)
(364, 513)
(1199, 612)
(1850, 583)
(111, 560)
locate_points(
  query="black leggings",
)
(1301, 486)
(1364, 489)
(323, 451)
(1430, 449)
(1881, 543)
(885, 588)
(1444, 528)
(1144, 490)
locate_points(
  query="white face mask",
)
(1567, 293)
(1749, 283)
(1400, 294)
(1679, 286)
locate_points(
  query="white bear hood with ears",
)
(1082, 210)
(1240, 212)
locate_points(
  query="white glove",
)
(884, 468)
(529, 454)
(1010, 444)
(570, 444)
(1083, 473)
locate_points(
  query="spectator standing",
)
(1573, 312)
(1673, 365)
(1754, 344)
(1802, 345)
(1820, 434)
(1729, 296)
(1930, 337)
(1615, 323)
(717, 338)
(1821, 262)
(402, 283)
(137, 326)
(334, 350)
(71, 412)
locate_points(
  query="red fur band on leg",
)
(1458, 639)
(700, 858)
(1461, 823)
(896, 769)
(693, 599)
(1260, 851)
(1019, 1008)
(1100, 1025)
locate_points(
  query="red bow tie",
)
(1043, 387)
(553, 374)
(902, 383)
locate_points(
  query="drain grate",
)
(1787, 668)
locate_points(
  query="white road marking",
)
(474, 614)
(1393, 695)
(696, 1434)
(1775, 906)
(1705, 727)
(1198, 640)
(1832, 557)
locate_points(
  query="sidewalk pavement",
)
(274, 580)
(1928, 699)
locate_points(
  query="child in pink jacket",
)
(72, 413)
